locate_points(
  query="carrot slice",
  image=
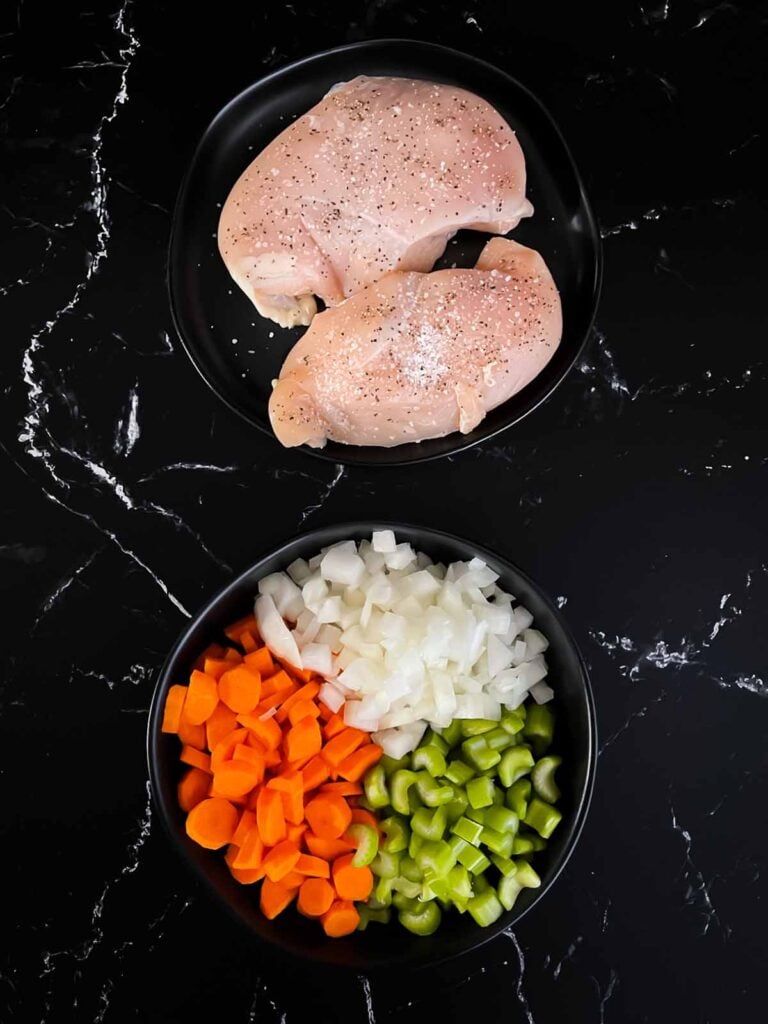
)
(307, 692)
(357, 764)
(202, 698)
(351, 883)
(266, 730)
(240, 689)
(316, 866)
(247, 622)
(212, 822)
(191, 735)
(340, 919)
(315, 773)
(329, 816)
(195, 757)
(232, 656)
(328, 849)
(325, 712)
(280, 682)
(226, 746)
(260, 661)
(304, 740)
(315, 897)
(244, 826)
(333, 727)
(248, 641)
(296, 832)
(289, 782)
(363, 817)
(216, 667)
(251, 853)
(342, 789)
(270, 819)
(274, 898)
(302, 709)
(252, 756)
(235, 778)
(342, 745)
(293, 880)
(246, 876)
(281, 859)
(220, 724)
(195, 785)
(174, 705)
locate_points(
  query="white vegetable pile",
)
(402, 642)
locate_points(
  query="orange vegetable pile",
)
(274, 776)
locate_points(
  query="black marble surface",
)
(637, 495)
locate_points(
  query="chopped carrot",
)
(354, 767)
(304, 675)
(288, 782)
(225, 747)
(174, 705)
(246, 753)
(333, 727)
(246, 876)
(328, 849)
(315, 866)
(195, 757)
(363, 817)
(240, 689)
(290, 785)
(215, 667)
(266, 730)
(192, 735)
(280, 682)
(235, 778)
(195, 785)
(220, 724)
(315, 897)
(270, 818)
(325, 712)
(214, 651)
(248, 641)
(342, 789)
(341, 918)
(274, 898)
(268, 703)
(232, 656)
(260, 661)
(351, 883)
(293, 880)
(272, 759)
(315, 773)
(303, 709)
(247, 622)
(296, 832)
(329, 816)
(303, 740)
(251, 852)
(246, 823)
(212, 822)
(202, 698)
(342, 745)
(281, 859)
(307, 692)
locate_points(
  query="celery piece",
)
(386, 865)
(543, 817)
(403, 902)
(397, 834)
(543, 778)
(375, 786)
(475, 814)
(539, 726)
(516, 762)
(433, 739)
(479, 754)
(498, 796)
(508, 890)
(414, 845)
(406, 887)
(410, 869)
(512, 722)
(501, 819)
(391, 764)
(458, 773)
(431, 760)
(399, 787)
(382, 892)
(421, 920)
(430, 824)
(480, 792)
(437, 857)
(473, 860)
(456, 807)
(498, 739)
(431, 792)
(522, 846)
(469, 831)
(517, 797)
(452, 733)
(457, 844)
(526, 876)
(476, 726)
(459, 884)
(505, 864)
(436, 888)
(485, 908)
(366, 840)
(480, 883)
(371, 914)
(499, 842)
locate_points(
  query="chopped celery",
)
(459, 883)
(526, 876)
(508, 890)
(498, 739)
(539, 726)
(512, 722)
(480, 792)
(458, 772)
(543, 778)
(522, 846)
(501, 819)
(457, 844)
(406, 887)
(431, 792)
(421, 920)
(400, 785)
(368, 913)
(498, 842)
(397, 834)
(498, 796)
(479, 754)
(431, 760)
(375, 785)
(473, 860)
(437, 857)
(430, 824)
(457, 806)
(476, 726)
(517, 797)
(476, 814)
(403, 902)
(505, 865)
(470, 831)
(386, 865)
(433, 739)
(366, 840)
(543, 817)
(481, 884)
(382, 892)
(414, 844)
(391, 764)
(452, 733)
(516, 762)
(410, 869)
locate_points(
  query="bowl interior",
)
(390, 945)
(210, 310)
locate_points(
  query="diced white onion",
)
(274, 631)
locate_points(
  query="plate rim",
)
(337, 455)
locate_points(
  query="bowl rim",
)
(154, 735)
(463, 441)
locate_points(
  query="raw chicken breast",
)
(420, 355)
(378, 176)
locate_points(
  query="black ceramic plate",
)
(209, 310)
(381, 946)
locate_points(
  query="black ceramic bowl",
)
(381, 945)
(209, 310)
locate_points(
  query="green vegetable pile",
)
(461, 818)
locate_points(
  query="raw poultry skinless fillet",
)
(378, 176)
(420, 355)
